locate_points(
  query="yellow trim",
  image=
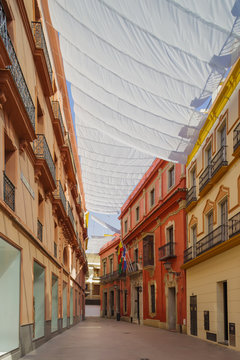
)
(222, 98)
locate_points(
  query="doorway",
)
(38, 300)
(105, 304)
(193, 315)
(222, 308)
(112, 302)
(172, 308)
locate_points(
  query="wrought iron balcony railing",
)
(236, 137)
(40, 43)
(109, 277)
(59, 194)
(234, 225)
(8, 192)
(166, 251)
(39, 230)
(70, 214)
(191, 195)
(133, 267)
(41, 150)
(215, 237)
(219, 160)
(205, 177)
(58, 115)
(188, 254)
(16, 70)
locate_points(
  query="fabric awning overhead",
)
(139, 72)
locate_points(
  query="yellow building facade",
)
(212, 252)
(42, 232)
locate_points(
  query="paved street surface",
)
(103, 339)
(92, 310)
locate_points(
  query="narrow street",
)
(97, 339)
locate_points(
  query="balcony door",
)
(224, 219)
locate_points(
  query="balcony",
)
(70, 215)
(44, 166)
(42, 59)
(16, 98)
(236, 140)
(234, 225)
(58, 123)
(8, 192)
(60, 200)
(204, 179)
(134, 268)
(188, 254)
(219, 163)
(109, 277)
(167, 251)
(68, 160)
(39, 231)
(191, 197)
(214, 238)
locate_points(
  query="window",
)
(148, 250)
(153, 307)
(96, 272)
(137, 213)
(152, 197)
(104, 267)
(55, 250)
(193, 177)
(171, 177)
(65, 256)
(224, 219)
(208, 156)
(223, 136)
(210, 222)
(125, 226)
(111, 265)
(136, 256)
(170, 234)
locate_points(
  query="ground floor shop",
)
(38, 297)
(213, 298)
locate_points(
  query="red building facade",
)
(153, 229)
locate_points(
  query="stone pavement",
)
(103, 339)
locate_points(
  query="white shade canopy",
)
(139, 71)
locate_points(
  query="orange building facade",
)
(153, 229)
(42, 231)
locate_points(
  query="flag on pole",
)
(124, 260)
(120, 252)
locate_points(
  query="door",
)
(224, 220)
(193, 315)
(105, 304)
(172, 308)
(137, 303)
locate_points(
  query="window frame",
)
(171, 177)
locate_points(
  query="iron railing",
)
(215, 237)
(59, 194)
(8, 192)
(166, 251)
(234, 225)
(16, 70)
(39, 230)
(236, 137)
(41, 150)
(219, 160)
(205, 177)
(58, 115)
(191, 195)
(188, 254)
(109, 277)
(70, 214)
(133, 267)
(40, 43)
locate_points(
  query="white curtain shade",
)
(140, 70)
